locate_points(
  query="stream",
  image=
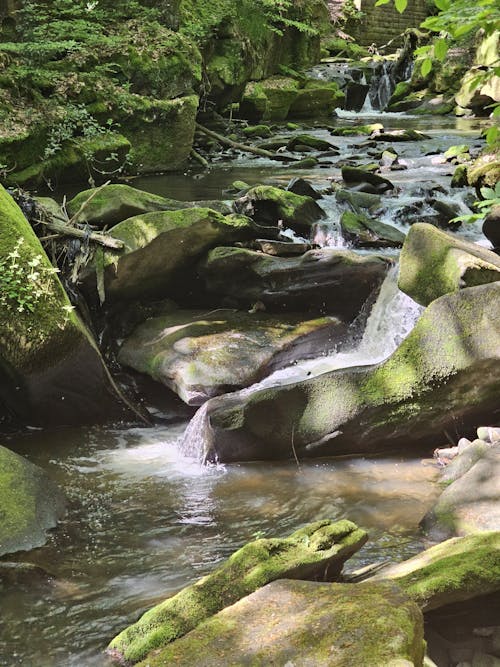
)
(145, 519)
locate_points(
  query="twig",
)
(293, 449)
(243, 147)
(199, 158)
(63, 229)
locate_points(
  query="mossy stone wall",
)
(381, 24)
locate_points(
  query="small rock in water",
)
(489, 434)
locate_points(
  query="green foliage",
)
(490, 199)
(23, 284)
(77, 122)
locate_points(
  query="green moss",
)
(18, 501)
(308, 551)
(357, 130)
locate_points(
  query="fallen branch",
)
(199, 158)
(243, 147)
(64, 229)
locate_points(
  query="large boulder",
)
(454, 571)
(51, 371)
(200, 355)
(157, 247)
(444, 374)
(306, 623)
(317, 551)
(434, 263)
(31, 503)
(108, 205)
(268, 205)
(471, 503)
(327, 281)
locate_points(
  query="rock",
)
(434, 263)
(485, 170)
(301, 187)
(454, 571)
(364, 232)
(446, 211)
(398, 135)
(465, 458)
(306, 163)
(157, 247)
(280, 248)
(296, 143)
(355, 95)
(21, 575)
(200, 355)
(356, 130)
(488, 433)
(472, 502)
(457, 154)
(442, 375)
(306, 623)
(459, 179)
(31, 504)
(268, 205)
(51, 371)
(355, 176)
(315, 99)
(257, 131)
(269, 99)
(491, 227)
(359, 200)
(312, 552)
(327, 281)
(114, 203)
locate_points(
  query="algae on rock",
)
(316, 551)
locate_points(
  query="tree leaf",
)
(440, 49)
(443, 5)
(492, 135)
(426, 67)
(382, 2)
(401, 5)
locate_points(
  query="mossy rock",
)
(269, 99)
(357, 130)
(111, 204)
(200, 356)
(267, 205)
(367, 232)
(485, 170)
(31, 504)
(444, 373)
(158, 246)
(51, 371)
(257, 131)
(307, 623)
(315, 551)
(311, 142)
(434, 263)
(315, 99)
(457, 570)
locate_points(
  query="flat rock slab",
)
(30, 503)
(306, 624)
(454, 571)
(200, 355)
(327, 281)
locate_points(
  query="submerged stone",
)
(200, 355)
(30, 504)
(434, 263)
(444, 374)
(308, 624)
(316, 551)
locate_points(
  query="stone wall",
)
(381, 24)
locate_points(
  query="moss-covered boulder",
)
(485, 170)
(434, 263)
(30, 504)
(471, 503)
(365, 232)
(269, 99)
(491, 226)
(360, 178)
(307, 141)
(200, 355)
(314, 552)
(111, 204)
(326, 281)
(51, 371)
(268, 205)
(158, 246)
(444, 373)
(307, 623)
(454, 571)
(315, 99)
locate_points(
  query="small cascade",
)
(193, 443)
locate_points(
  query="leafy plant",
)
(491, 198)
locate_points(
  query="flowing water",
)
(145, 519)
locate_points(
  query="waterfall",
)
(392, 318)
